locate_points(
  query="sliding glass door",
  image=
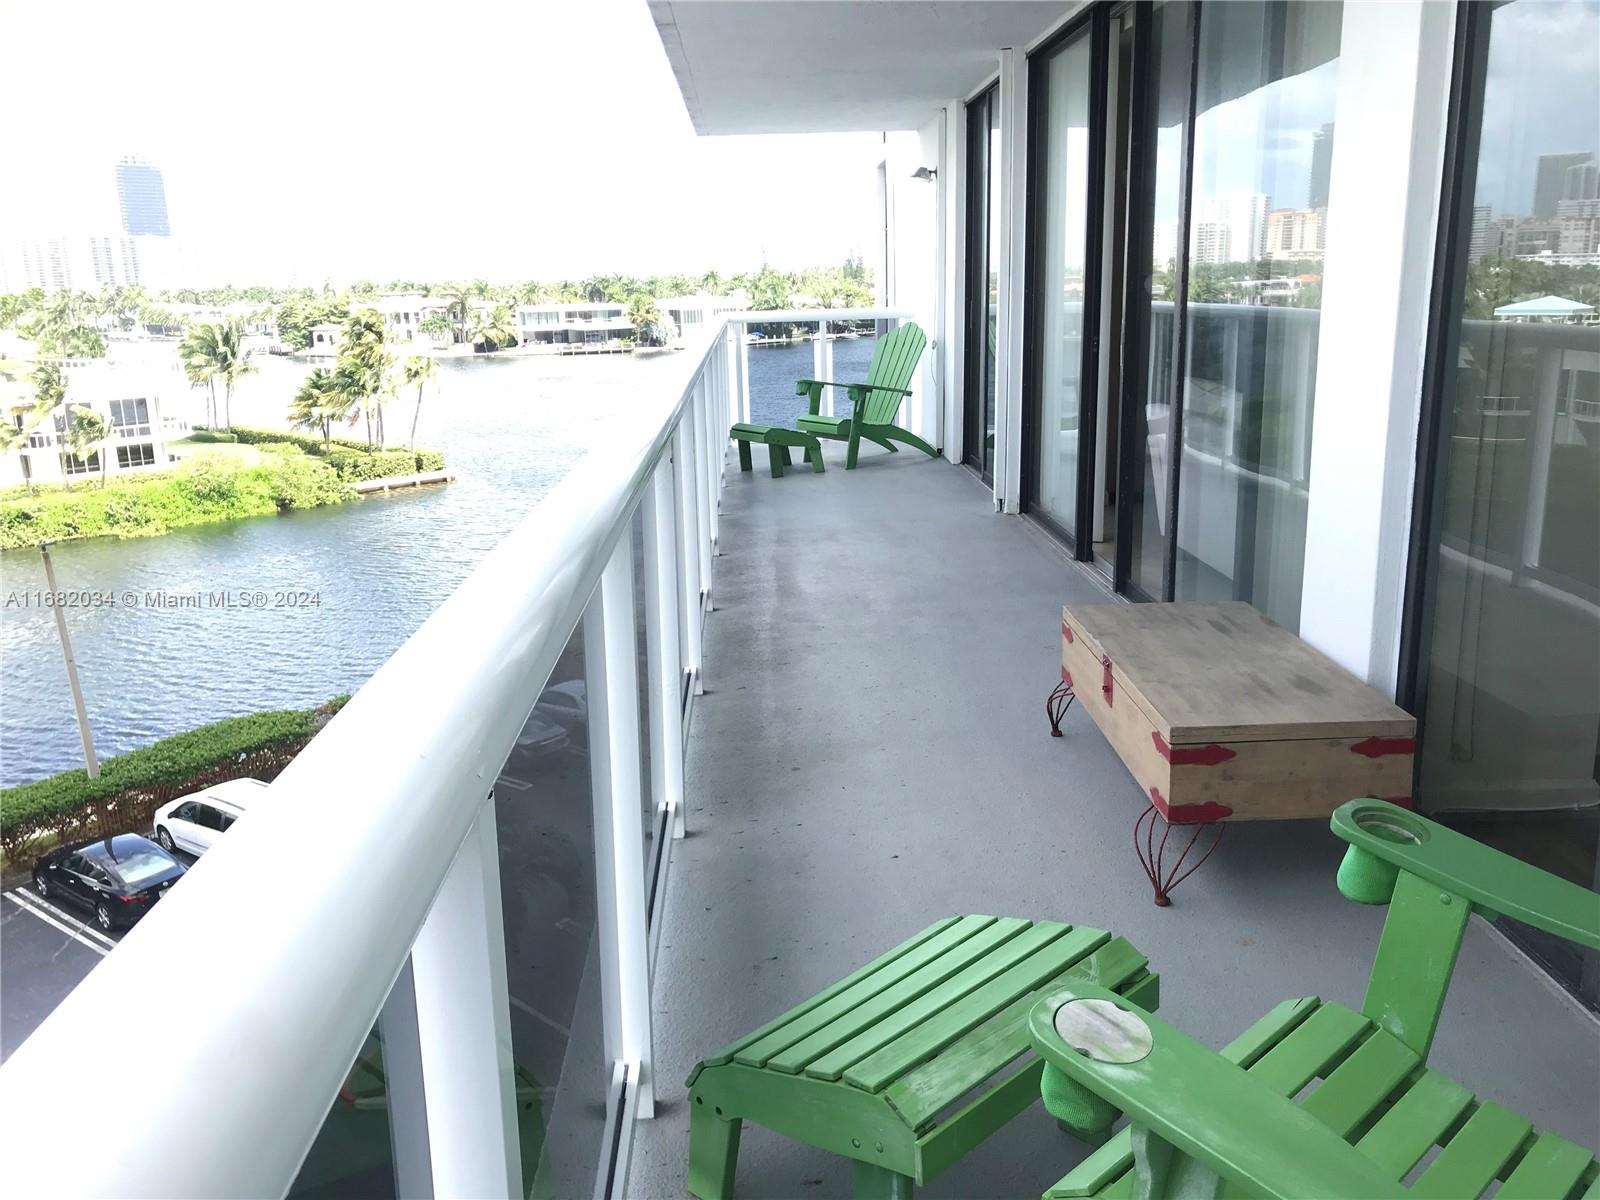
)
(1180, 181)
(1263, 133)
(1064, 158)
(982, 280)
(1505, 649)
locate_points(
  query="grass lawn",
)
(245, 456)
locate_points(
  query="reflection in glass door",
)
(1063, 153)
(1506, 613)
(983, 286)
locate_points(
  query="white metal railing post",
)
(661, 634)
(458, 970)
(686, 508)
(716, 441)
(741, 368)
(612, 684)
(703, 494)
(819, 367)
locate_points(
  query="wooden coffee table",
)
(1221, 715)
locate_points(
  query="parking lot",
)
(46, 949)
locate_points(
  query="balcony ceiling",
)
(833, 66)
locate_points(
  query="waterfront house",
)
(687, 313)
(325, 339)
(596, 323)
(403, 314)
(145, 403)
(809, 709)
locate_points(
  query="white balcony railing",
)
(260, 981)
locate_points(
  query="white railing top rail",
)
(258, 979)
(801, 316)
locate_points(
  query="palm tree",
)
(214, 351)
(200, 354)
(494, 328)
(61, 325)
(646, 320)
(436, 325)
(418, 369)
(86, 432)
(318, 404)
(363, 368)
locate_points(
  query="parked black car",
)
(117, 880)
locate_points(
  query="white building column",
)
(1383, 209)
(953, 182)
(1013, 94)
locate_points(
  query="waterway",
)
(510, 428)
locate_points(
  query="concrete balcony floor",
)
(872, 754)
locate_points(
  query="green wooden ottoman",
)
(909, 1062)
(777, 441)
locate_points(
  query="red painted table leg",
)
(1152, 855)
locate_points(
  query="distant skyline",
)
(1541, 97)
(532, 140)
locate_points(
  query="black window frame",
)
(1094, 23)
(1132, 298)
(976, 266)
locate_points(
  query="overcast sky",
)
(511, 140)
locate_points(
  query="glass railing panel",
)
(354, 1152)
(544, 819)
(647, 812)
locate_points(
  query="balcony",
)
(831, 686)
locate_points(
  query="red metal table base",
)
(1152, 854)
(1057, 703)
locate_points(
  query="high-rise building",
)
(81, 262)
(1581, 182)
(1229, 227)
(1550, 179)
(1321, 167)
(142, 196)
(1485, 238)
(1296, 233)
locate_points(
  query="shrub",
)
(199, 434)
(299, 481)
(358, 465)
(208, 487)
(350, 458)
(132, 786)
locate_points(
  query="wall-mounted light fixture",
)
(928, 174)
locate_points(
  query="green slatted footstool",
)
(777, 441)
(908, 1063)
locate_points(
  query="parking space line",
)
(71, 926)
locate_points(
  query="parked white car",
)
(195, 821)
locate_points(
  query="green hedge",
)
(352, 459)
(201, 434)
(311, 445)
(206, 488)
(34, 816)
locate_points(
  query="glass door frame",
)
(1469, 74)
(1093, 23)
(976, 266)
(1471, 68)
(1138, 231)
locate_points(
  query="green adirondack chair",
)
(1204, 1124)
(875, 403)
